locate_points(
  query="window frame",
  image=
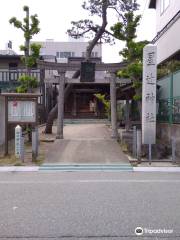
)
(66, 55)
(162, 6)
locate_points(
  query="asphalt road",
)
(80, 206)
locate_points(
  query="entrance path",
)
(86, 143)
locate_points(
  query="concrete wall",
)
(166, 131)
(2, 120)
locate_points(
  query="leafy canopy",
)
(133, 51)
(100, 8)
(30, 27)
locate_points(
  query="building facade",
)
(64, 50)
(167, 28)
(168, 48)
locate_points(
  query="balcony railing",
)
(8, 76)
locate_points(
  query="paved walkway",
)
(86, 143)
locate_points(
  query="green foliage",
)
(29, 26)
(105, 102)
(137, 97)
(133, 51)
(126, 30)
(123, 73)
(26, 8)
(88, 28)
(137, 84)
(135, 70)
(27, 83)
(30, 61)
(173, 66)
(16, 23)
(132, 71)
(167, 68)
(162, 71)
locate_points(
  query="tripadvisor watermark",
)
(139, 231)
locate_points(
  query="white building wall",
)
(78, 48)
(167, 15)
(169, 43)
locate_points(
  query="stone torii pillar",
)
(113, 106)
(60, 119)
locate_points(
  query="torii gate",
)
(61, 79)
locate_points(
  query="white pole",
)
(18, 145)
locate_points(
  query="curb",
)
(19, 169)
(157, 169)
(89, 169)
(86, 167)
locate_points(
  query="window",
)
(57, 54)
(13, 66)
(164, 5)
(65, 54)
(93, 54)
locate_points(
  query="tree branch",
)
(100, 31)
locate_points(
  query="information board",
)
(21, 111)
(149, 94)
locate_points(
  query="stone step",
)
(85, 121)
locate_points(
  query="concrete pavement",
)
(86, 143)
(84, 206)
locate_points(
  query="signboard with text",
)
(21, 111)
(149, 94)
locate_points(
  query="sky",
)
(55, 17)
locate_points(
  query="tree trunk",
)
(51, 116)
(99, 33)
(53, 113)
(139, 102)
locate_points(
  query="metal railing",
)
(169, 110)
